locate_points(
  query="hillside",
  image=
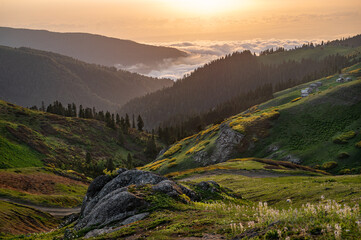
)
(34, 139)
(90, 48)
(28, 77)
(321, 131)
(238, 76)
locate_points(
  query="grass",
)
(17, 219)
(32, 139)
(296, 207)
(42, 187)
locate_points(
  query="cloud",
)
(202, 52)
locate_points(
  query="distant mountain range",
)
(28, 77)
(90, 48)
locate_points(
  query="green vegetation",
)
(309, 207)
(12, 220)
(42, 187)
(30, 138)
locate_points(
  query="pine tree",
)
(127, 122)
(140, 123)
(133, 122)
(151, 148)
(121, 139)
(88, 158)
(117, 119)
(129, 162)
(110, 164)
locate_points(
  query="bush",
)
(358, 145)
(329, 165)
(172, 150)
(271, 235)
(345, 171)
(342, 138)
(343, 155)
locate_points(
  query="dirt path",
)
(247, 173)
(54, 211)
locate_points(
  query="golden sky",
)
(188, 20)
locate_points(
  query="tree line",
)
(112, 120)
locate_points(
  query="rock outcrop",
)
(109, 200)
(224, 147)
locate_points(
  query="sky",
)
(188, 20)
(205, 29)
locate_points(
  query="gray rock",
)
(211, 186)
(168, 187)
(225, 144)
(98, 232)
(292, 159)
(114, 203)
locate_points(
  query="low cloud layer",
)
(202, 52)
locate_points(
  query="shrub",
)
(329, 165)
(171, 151)
(296, 99)
(345, 171)
(342, 138)
(343, 155)
(358, 145)
(271, 235)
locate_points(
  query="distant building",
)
(348, 79)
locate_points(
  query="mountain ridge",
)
(91, 48)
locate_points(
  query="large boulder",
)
(109, 200)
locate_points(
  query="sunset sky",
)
(188, 20)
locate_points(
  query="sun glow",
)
(205, 7)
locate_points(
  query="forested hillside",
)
(234, 77)
(28, 77)
(89, 47)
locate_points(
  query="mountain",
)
(322, 130)
(240, 74)
(28, 77)
(89, 47)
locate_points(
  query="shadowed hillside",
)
(89, 47)
(28, 77)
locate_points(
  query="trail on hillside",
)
(54, 211)
(246, 173)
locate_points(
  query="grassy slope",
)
(304, 128)
(17, 219)
(31, 138)
(41, 186)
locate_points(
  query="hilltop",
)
(321, 131)
(90, 48)
(28, 77)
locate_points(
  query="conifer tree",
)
(133, 122)
(110, 164)
(140, 123)
(127, 122)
